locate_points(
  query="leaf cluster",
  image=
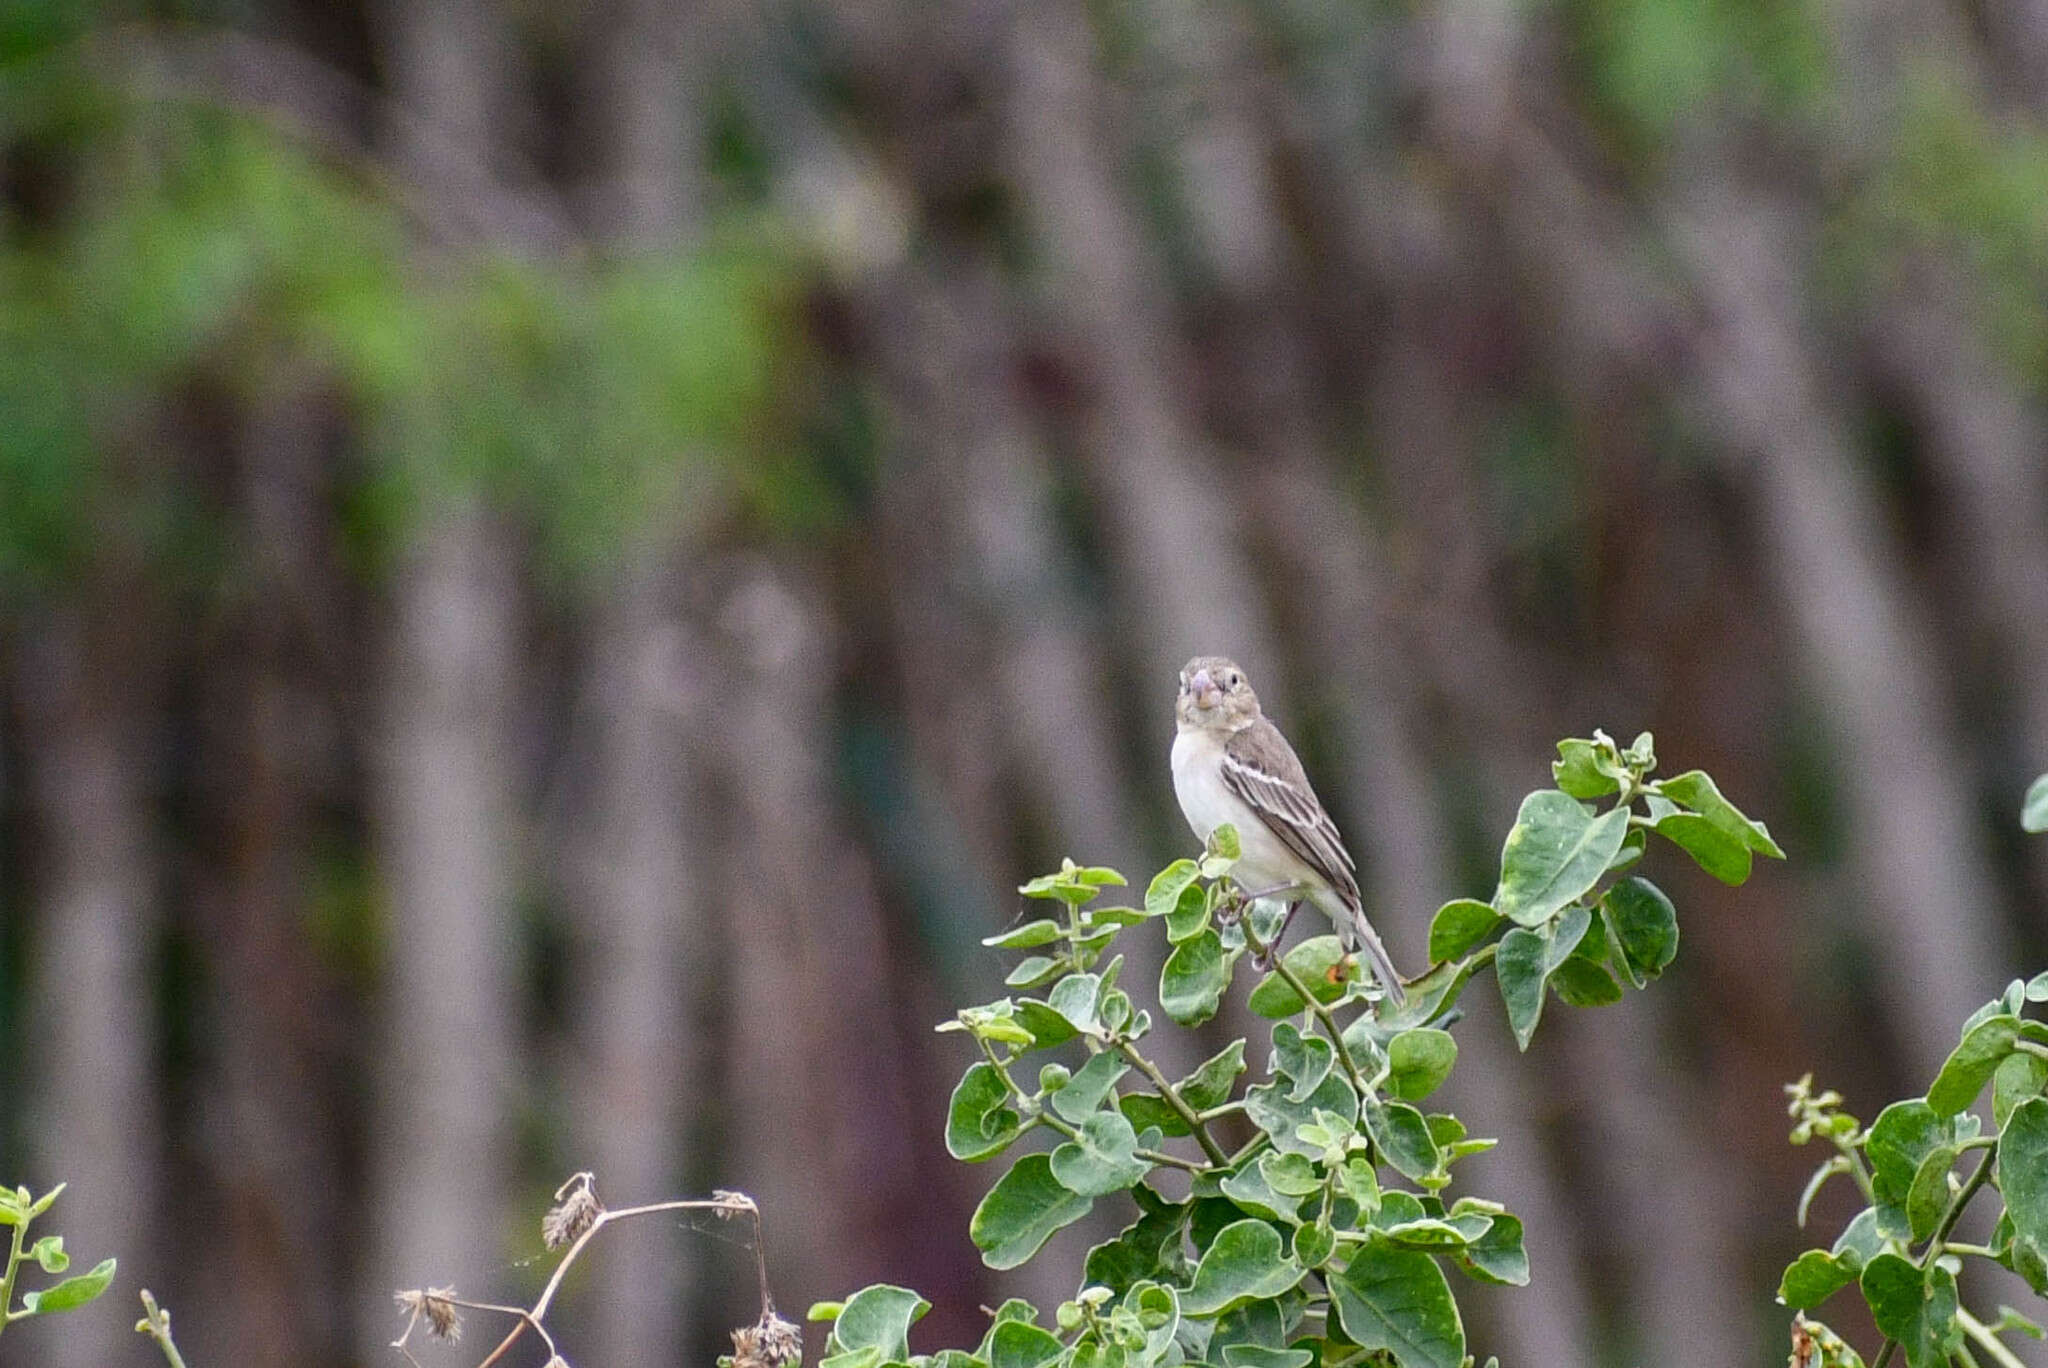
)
(1919, 1165)
(19, 1209)
(1301, 1212)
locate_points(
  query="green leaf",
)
(1928, 1196)
(1396, 1300)
(1420, 1060)
(1316, 963)
(49, 1254)
(1224, 841)
(1524, 963)
(1915, 1307)
(1643, 926)
(878, 1318)
(1582, 983)
(824, 1310)
(1860, 1240)
(1271, 1110)
(1144, 1110)
(2018, 1078)
(1712, 849)
(1695, 790)
(1162, 895)
(1033, 970)
(1812, 1278)
(1211, 1082)
(1022, 1211)
(1086, 1090)
(979, 1124)
(1555, 852)
(1403, 1137)
(1497, 1256)
(1903, 1134)
(1077, 997)
(1458, 926)
(1100, 876)
(1303, 1060)
(1429, 997)
(1313, 1245)
(1970, 1065)
(2034, 811)
(1148, 1248)
(1026, 937)
(1190, 916)
(1256, 1196)
(1244, 1262)
(1578, 772)
(2023, 1169)
(1259, 1356)
(1192, 982)
(1020, 1344)
(1102, 1159)
(70, 1294)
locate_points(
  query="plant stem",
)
(1981, 1251)
(1171, 1096)
(7, 1314)
(156, 1323)
(1073, 1132)
(1988, 1342)
(1301, 990)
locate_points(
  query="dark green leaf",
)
(1458, 926)
(1397, 1300)
(1272, 1111)
(1149, 1109)
(1102, 1159)
(1021, 1211)
(1305, 1060)
(1900, 1138)
(2023, 1169)
(1695, 790)
(1420, 1061)
(1190, 916)
(2034, 811)
(1582, 983)
(1046, 1027)
(1524, 963)
(1192, 982)
(1316, 962)
(70, 1294)
(1555, 852)
(2018, 1078)
(1025, 937)
(1644, 927)
(1020, 1344)
(1087, 1089)
(1163, 894)
(1577, 770)
(1971, 1064)
(979, 1123)
(1812, 1278)
(1429, 997)
(1259, 1356)
(1498, 1255)
(878, 1318)
(1313, 1245)
(1712, 849)
(1915, 1307)
(1402, 1136)
(1210, 1084)
(1243, 1262)
(1928, 1196)
(1147, 1249)
(1254, 1195)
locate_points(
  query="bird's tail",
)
(1382, 964)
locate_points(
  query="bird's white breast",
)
(1207, 802)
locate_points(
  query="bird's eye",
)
(1235, 679)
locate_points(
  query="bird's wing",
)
(1262, 769)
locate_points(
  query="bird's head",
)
(1215, 695)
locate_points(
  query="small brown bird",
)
(1231, 764)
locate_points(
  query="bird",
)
(1231, 764)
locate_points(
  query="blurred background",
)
(558, 563)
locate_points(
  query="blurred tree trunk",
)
(818, 1103)
(636, 899)
(1175, 530)
(275, 1144)
(444, 796)
(86, 672)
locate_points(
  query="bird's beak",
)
(1207, 695)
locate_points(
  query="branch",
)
(1173, 1099)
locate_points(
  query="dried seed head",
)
(436, 1307)
(771, 1342)
(575, 1211)
(734, 1203)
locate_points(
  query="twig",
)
(1980, 1332)
(1173, 1099)
(156, 1323)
